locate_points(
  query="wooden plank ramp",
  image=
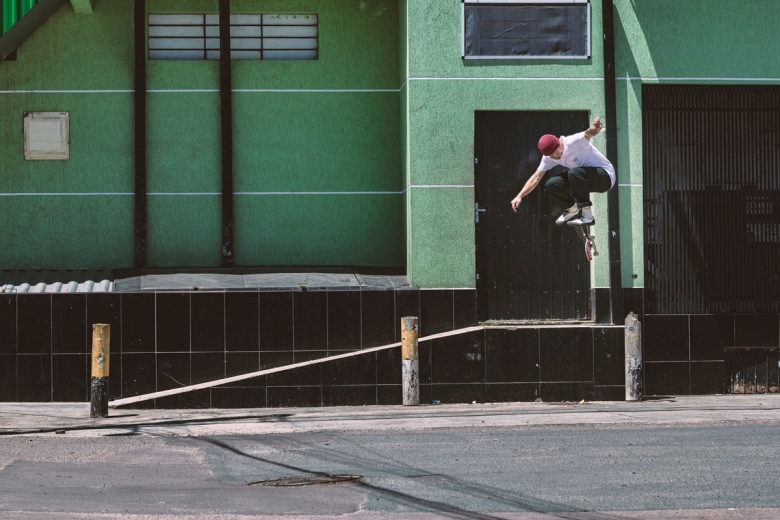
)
(228, 380)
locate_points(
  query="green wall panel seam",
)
(74, 194)
(505, 78)
(67, 91)
(245, 193)
(692, 79)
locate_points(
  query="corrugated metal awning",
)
(22, 281)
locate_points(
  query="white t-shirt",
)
(579, 152)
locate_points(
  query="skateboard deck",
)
(589, 241)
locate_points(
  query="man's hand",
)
(516, 202)
(530, 184)
(595, 128)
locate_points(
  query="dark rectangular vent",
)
(526, 30)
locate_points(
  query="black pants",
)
(576, 185)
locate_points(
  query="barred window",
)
(530, 29)
(252, 37)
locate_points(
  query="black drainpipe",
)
(226, 113)
(613, 197)
(139, 33)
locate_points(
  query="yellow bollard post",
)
(101, 349)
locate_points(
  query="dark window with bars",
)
(252, 37)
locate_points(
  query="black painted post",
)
(101, 350)
(226, 113)
(613, 196)
(139, 34)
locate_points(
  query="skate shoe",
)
(567, 215)
(582, 220)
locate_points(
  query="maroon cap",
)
(548, 144)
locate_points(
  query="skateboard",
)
(589, 241)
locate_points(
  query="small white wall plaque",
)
(46, 136)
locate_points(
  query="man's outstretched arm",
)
(528, 188)
(595, 128)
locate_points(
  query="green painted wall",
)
(70, 51)
(697, 38)
(444, 91)
(184, 155)
(356, 225)
(358, 48)
(290, 137)
(438, 229)
(334, 142)
(66, 231)
(629, 112)
(330, 143)
(51, 231)
(184, 158)
(287, 139)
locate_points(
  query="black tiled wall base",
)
(491, 365)
(710, 354)
(167, 340)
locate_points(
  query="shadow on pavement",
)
(510, 499)
(134, 427)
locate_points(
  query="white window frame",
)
(521, 2)
(244, 45)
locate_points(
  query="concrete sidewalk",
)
(73, 418)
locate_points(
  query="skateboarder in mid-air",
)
(589, 171)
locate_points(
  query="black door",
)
(527, 267)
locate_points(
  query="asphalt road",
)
(616, 471)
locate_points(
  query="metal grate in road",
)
(308, 481)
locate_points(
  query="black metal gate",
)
(527, 267)
(711, 198)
